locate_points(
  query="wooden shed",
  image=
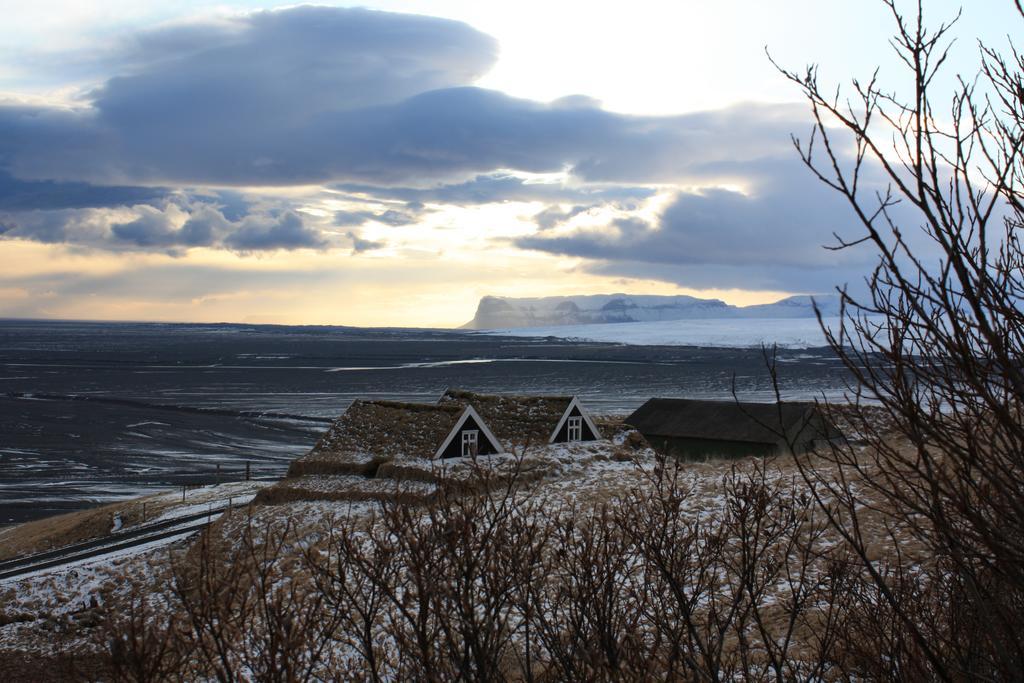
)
(529, 420)
(697, 429)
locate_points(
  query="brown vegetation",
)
(936, 345)
(513, 419)
(508, 585)
(895, 557)
(74, 527)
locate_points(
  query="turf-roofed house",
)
(388, 450)
(529, 421)
(697, 429)
(371, 433)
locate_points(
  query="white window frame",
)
(470, 442)
(574, 427)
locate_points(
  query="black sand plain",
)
(92, 412)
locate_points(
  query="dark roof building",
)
(698, 429)
(529, 420)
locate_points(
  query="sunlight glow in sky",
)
(251, 161)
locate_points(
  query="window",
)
(575, 428)
(470, 442)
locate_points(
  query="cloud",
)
(553, 216)
(284, 231)
(230, 95)
(23, 195)
(459, 132)
(152, 228)
(292, 64)
(206, 225)
(769, 237)
(359, 245)
(388, 217)
(311, 95)
(70, 226)
(177, 281)
(171, 228)
(499, 187)
(381, 107)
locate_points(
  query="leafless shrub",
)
(497, 583)
(429, 592)
(747, 589)
(139, 640)
(584, 611)
(235, 609)
(936, 346)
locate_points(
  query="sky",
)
(391, 163)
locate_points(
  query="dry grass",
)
(513, 419)
(339, 463)
(75, 527)
(85, 525)
(387, 429)
(345, 488)
(569, 483)
(580, 481)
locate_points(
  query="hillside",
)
(502, 312)
(739, 333)
(567, 523)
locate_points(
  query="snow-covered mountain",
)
(502, 312)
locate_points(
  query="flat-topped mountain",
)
(504, 312)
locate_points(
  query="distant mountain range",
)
(496, 312)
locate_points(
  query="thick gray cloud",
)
(314, 95)
(381, 107)
(71, 226)
(283, 231)
(456, 132)
(446, 134)
(152, 229)
(22, 195)
(289, 65)
(230, 96)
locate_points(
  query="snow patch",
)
(788, 333)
